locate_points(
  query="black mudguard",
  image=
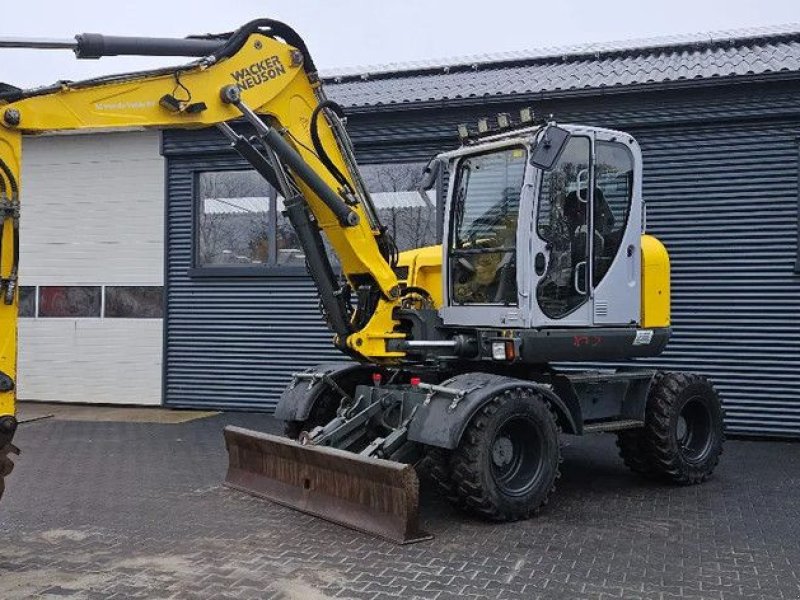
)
(299, 397)
(442, 421)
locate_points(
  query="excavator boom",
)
(262, 78)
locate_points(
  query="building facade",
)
(718, 120)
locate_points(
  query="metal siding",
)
(232, 342)
(723, 199)
(721, 182)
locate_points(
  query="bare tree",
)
(411, 226)
(241, 233)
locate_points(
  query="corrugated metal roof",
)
(755, 51)
(402, 199)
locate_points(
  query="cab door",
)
(583, 279)
(561, 247)
(480, 243)
(617, 218)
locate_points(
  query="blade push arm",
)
(272, 84)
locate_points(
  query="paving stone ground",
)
(135, 510)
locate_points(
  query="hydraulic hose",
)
(276, 29)
(385, 241)
(12, 211)
(320, 149)
(12, 182)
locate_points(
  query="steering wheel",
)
(468, 266)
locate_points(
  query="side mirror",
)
(549, 147)
(429, 178)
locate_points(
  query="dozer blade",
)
(375, 496)
(6, 464)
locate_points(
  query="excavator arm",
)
(294, 137)
(259, 86)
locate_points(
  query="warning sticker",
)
(643, 337)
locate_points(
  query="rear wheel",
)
(507, 462)
(632, 444)
(683, 435)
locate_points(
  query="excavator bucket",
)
(375, 496)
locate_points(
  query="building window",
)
(134, 302)
(116, 301)
(238, 223)
(27, 301)
(393, 186)
(70, 301)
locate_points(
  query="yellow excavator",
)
(456, 356)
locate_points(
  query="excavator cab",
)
(533, 245)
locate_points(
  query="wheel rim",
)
(517, 456)
(694, 431)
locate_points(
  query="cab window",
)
(613, 192)
(484, 228)
(562, 222)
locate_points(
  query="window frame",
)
(589, 255)
(626, 221)
(452, 228)
(40, 289)
(270, 269)
(109, 287)
(36, 291)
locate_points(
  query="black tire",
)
(437, 469)
(507, 463)
(684, 433)
(6, 464)
(323, 411)
(634, 451)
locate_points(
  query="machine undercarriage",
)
(488, 442)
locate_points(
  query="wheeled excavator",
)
(461, 361)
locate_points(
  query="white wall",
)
(92, 214)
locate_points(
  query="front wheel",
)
(323, 411)
(507, 462)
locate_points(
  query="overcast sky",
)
(348, 33)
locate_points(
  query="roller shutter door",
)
(724, 200)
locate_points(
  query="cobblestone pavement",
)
(135, 510)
